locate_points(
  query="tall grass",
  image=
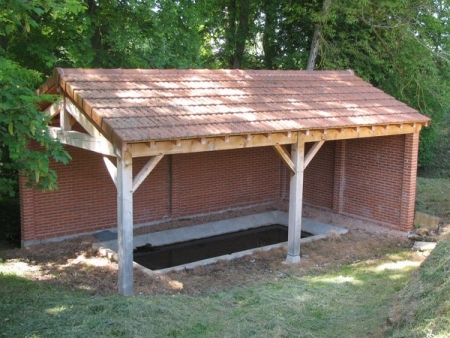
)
(423, 309)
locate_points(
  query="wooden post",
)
(125, 222)
(296, 201)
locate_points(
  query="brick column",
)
(339, 176)
(27, 224)
(409, 181)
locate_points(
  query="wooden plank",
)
(74, 138)
(125, 222)
(210, 144)
(296, 202)
(281, 150)
(81, 118)
(361, 132)
(312, 152)
(112, 169)
(54, 108)
(145, 171)
(262, 140)
(64, 120)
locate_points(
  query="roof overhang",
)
(153, 112)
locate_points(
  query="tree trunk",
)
(241, 34)
(316, 38)
(269, 8)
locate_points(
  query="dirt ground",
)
(73, 263)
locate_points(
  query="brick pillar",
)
(174, 193)
(409, 181)
(27, 224)
(339, 176)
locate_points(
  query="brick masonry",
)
(370, 178)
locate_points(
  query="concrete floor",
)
(319, 230)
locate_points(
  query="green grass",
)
(352, 301)
(433, 196)
(424, 305)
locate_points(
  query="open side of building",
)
(155, 145)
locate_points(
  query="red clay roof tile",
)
(145, 105)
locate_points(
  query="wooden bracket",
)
(284, 154)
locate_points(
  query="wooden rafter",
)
(81, 118)
(54, 108)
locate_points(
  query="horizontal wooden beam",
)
(362, 132)
(209, 144)
(179, 146)
(76, 139)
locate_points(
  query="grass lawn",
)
(433, 196)
(351, 301)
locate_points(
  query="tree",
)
(21, 122)
(400, 47)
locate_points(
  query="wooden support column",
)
(296, 201)
(125, 221)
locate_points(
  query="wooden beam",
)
(125, 222)
(312, 152)
(210, 144)
(281, 150)
(145, 171)
(296, 202)
(54, 108)
(261, 140)
(81, 118)
(112, 169)
(74, 138)
(64, 120)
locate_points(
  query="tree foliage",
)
(400, 46)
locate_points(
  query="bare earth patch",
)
(73, 263)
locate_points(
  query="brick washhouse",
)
(150, 146)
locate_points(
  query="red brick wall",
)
(319, 177)
(151, 201)
(74, 208)
(371, 178)
(213, 181)
(180, 185)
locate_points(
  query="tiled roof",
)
(151, 105)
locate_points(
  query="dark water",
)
(167, 256)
